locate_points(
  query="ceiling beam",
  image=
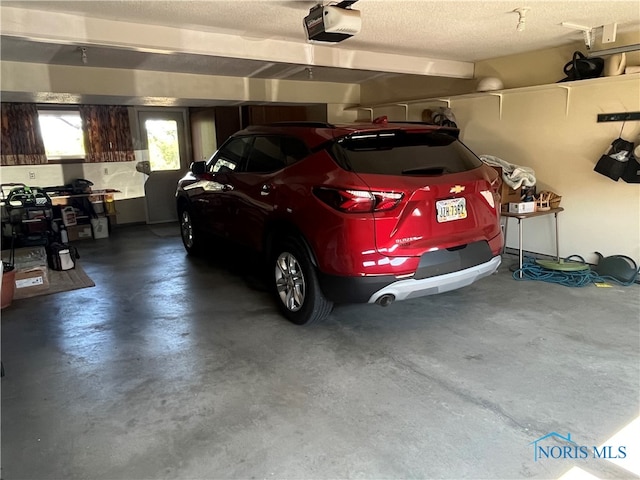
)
(49, 83)
(72, 29)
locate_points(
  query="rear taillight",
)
(491, 196)
(358, 201)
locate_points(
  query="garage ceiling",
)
(265, 39)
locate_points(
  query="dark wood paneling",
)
(227, 123)
(263, 114)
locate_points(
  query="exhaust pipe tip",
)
(385, 300)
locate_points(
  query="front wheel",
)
(188, 232)
(296, 285)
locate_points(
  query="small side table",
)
(524, 216)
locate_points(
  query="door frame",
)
(185, 145)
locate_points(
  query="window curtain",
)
(107, 133)
(22, 142)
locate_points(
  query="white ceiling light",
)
(522, 12)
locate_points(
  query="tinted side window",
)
(230, 155)
(294, 149)
(266, 155)
(403, 153)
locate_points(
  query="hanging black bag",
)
(615, 161)
(632, 171)
(581, 67)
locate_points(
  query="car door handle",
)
(265, 190)
(226, 187)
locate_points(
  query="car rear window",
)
(404, 153)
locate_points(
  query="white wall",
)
(121, 176)
(336, 113)
(538, 128)
(601, 215)
(546, 66)
(561, 140)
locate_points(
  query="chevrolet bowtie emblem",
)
(456, 189)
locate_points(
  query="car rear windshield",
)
(404, 153)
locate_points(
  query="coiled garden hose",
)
(532, 270)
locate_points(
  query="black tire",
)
(188, 232)
(296, 286)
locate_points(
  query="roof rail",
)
(301, 124)
(453, 131)
(415, 123)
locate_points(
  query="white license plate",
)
(451, 209)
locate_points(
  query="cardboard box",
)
(522, 207)
(31, 270)
(507, 194)
(30, 280)
(79, 232)
(100, 227)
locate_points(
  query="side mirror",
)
(199, 167)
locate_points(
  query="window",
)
(294, 149)
(62, 134)
(164, 148)
(230, 155)
(402, 153)
(266, 155)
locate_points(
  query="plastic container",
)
(69, 216)
(66, 261)
(109, 204)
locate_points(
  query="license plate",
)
(451, 209)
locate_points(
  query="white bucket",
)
(66, 262)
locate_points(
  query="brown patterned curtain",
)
(107, 134)
(22, 142)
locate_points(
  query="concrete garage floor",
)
(179, 368)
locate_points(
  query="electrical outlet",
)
(32, 175)
(106, 171)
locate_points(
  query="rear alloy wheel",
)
(296, 284)
(188, 232)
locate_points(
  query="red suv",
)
(367, 213)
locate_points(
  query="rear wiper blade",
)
(425, 171)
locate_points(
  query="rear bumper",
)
(368, 289)
(412, 288)
(341, 289)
